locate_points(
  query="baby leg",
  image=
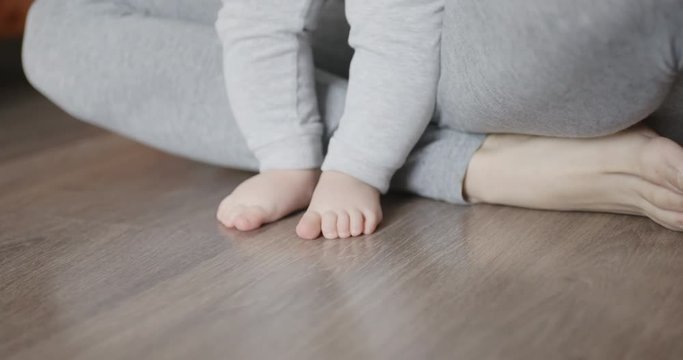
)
(268, 67)
(390, 100)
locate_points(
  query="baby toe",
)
(329, 225)
(222, 211)
(371, 219)
(228, 213)
(356, 222)
(343, 225)
(309, 226)
(251, 218)
(241, 222)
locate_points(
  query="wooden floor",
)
(110, 250)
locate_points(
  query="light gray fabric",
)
(151, 70)
(386, 113)
(138, 68)
(269, 76)
(558, 68)
(268, 68)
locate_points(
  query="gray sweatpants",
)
(269, 76)
(151, 70)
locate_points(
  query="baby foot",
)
(267, 197)
(633, 172)
(342, 206)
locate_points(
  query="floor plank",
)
(110, 250)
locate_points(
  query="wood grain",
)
(110, 250)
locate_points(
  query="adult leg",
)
(557, 68)
(566, 69)
(139, 69)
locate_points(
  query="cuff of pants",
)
(291, 153)
(346, 159)
(437, 166)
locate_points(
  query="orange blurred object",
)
(12, 17)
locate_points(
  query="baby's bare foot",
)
(634, 172)
(342, 206)
(267, 197)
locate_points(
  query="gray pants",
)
(151, 70)
(269, 75)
